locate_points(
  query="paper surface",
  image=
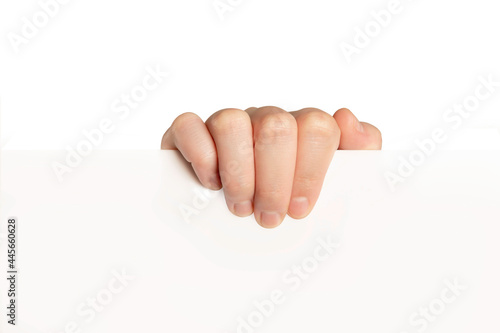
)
(130, 242)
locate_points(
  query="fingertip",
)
(214, 183)
(375, 142)
(356, 135)
(269, 220)
(240, 209)
(347, 121)
(299, 208)
(166, 141)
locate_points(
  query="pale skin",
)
(269, 162)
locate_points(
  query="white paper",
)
(112, 249)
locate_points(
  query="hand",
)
(270, 162)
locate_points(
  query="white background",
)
(203, 271)
(281, 52)
(397, 250)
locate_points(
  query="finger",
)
(318, 139)
(190, 136)
(250, 110)
(231, 130)
(356, 135)
(275, 139)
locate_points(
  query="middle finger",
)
(275, 139)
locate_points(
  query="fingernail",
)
(243, 209)
(215, 183)
(299, 207)
(270, 219)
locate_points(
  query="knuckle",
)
(273, 193)
(206, 161)
(317, 124)
(308, 182)
(229, 120)
(236, 184)
(236, 178)
(277, 125)
(185, 121)
(270, 109)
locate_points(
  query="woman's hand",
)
(268, 161)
